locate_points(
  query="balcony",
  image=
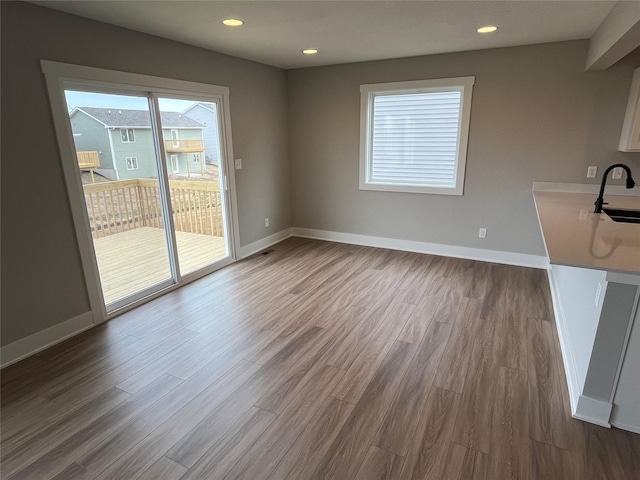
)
(88, 160)
(128, 233)
(146, 263)
(184, 146)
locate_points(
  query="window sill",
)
(384, 187)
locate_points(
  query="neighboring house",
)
(207, 115)
(123, 140)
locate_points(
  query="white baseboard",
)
(624, 426)
(593, 411)
(32, 344)
(508, 258)
(265, 242)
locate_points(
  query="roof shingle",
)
(120, 117)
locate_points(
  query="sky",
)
(87, 99)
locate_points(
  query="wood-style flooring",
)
(316, 361)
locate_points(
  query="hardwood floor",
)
(316, 361)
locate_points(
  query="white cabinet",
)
(630, 138)
(595, 313)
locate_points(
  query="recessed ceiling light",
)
(309, 51)
(233, 22)
(487, 29)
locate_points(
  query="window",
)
(127, 136)
(195, 158)
(174, 164)
(174, 136)
(132, 163)
(413, 135)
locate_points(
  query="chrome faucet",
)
(630, 184)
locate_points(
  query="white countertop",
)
(575, 236)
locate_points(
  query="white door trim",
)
(59, 76)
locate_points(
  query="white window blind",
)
(414, 135)
(415, 138)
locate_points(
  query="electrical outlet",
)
(617, 173)
(482, 233)
(592, 172)
(238, 164)
(266, 222)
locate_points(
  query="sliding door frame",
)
(60, 76)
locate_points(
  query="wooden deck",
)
(135, 259)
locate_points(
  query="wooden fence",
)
(115, 207)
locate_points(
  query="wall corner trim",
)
(263, 243)
(469, 253)
(32, 344)
(568, 358)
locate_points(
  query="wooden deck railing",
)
(184, 145)
(115, 207)
(88, 160)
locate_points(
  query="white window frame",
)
(58, 77)
(175, 137)
(129, 133)
(175, 166)
(367, 95)
(132, 163)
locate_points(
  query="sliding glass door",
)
(191, 138)
(152, 174)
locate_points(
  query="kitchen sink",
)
(623, 215)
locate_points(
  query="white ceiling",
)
(275, 32)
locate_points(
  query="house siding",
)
(143, 149)
(183, 158)
(211, 132)
(94, 137)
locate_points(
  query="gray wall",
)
(535, 116)
(42, 279)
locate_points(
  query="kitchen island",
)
(594, 275)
